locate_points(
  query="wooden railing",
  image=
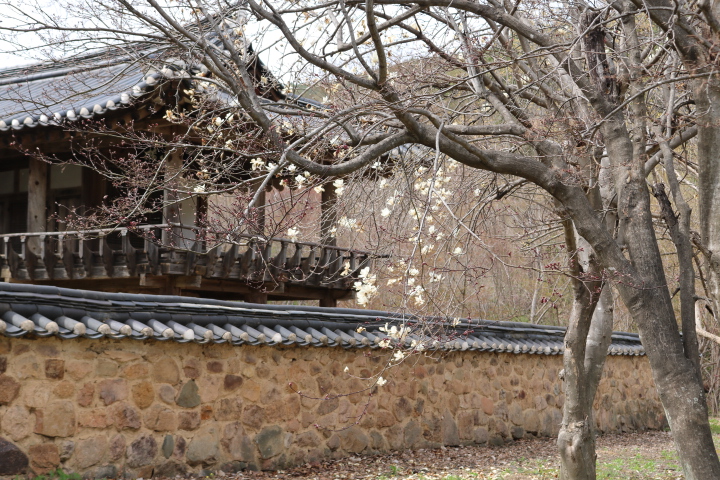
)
(122, 252)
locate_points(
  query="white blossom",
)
(347, 222)
(395, 332)
(381, 381)
(293, 233)
(385, 212)
(365, 287)
(257, 163)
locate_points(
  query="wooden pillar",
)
(171, 205)
(328, 301)
(256, 296)
(257, 228)
(328, 214)
(328, 220)
(37, 201)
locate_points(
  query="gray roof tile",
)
(67, 313)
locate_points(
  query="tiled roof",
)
(40, 95)
(87, 87)
(67, 313)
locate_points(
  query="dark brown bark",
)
(586, 342)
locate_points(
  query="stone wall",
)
(107, 407)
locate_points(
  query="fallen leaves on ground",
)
(643, 456)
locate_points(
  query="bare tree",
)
(567, 96)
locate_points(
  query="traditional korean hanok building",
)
(41, 107)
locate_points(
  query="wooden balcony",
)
(249, 268)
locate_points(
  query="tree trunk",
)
(583, 368)
(674, 373)
(707, 95)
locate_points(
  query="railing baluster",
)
(36, 263)
(73, 261)
(54, 258)
(278, 264)
(228, 261)
(58, 256)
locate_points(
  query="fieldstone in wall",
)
(27, 367)
(353, 439)
(232, 382)
(161, 419)
(94, 418)
(203, 448)
(16, 422)
(78, 370)
(90, 451)
(270, 441)
(86, 395)
(167, 393)
(413, 434)
(180, 448)
(104, 471)
(117, 447)
(143, 394)
(9, 389)
(125, 417)
(66, 449)
(171, 469)
(56, 420)
(231, 409)
(449, 430)
(165, 370)
(54, 368)
(168, 446)
(188, 420)
(141, 452)
(111, 391)
(44, 457)
(12, 460)
(238, 444)
(188, 396)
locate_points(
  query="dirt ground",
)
(647, 455)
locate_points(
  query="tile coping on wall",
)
(68, 313)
